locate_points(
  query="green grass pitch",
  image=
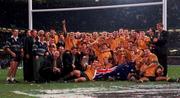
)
(6, 89)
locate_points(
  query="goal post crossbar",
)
(163, 3)
(99, 7)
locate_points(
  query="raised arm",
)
(64, 28)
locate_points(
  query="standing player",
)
(15, 49)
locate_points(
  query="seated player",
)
(119, 56)
(151, 70)
(51, 69)
(87, 75)
(101, 50)
(153, 73)
(54, 68)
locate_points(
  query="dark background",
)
(14, 13)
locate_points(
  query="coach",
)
(161, 46)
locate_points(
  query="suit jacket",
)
(162, 44)
(28, 45)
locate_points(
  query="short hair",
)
(74, 47)
(14, 30)
(52, 46)
(41, 32)
(33, 30)
(160, 24)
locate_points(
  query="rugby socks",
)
(12, 78)
(8, 78)
(178, 80)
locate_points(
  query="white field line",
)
(173, 85)
(52, 95)
(80, 93)
(145, 91)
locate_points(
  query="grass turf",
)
(6, 89)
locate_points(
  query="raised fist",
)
(64, 22)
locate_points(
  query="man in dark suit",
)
(28, 56)
(161, 46)
(51, 67)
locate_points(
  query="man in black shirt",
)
(161, 46)
(28, 56)
(51, 68)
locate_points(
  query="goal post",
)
(30, 14)
(163, 3)
(164, 14)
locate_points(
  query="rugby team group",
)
(82, 56)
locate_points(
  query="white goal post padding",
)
(163, 3)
